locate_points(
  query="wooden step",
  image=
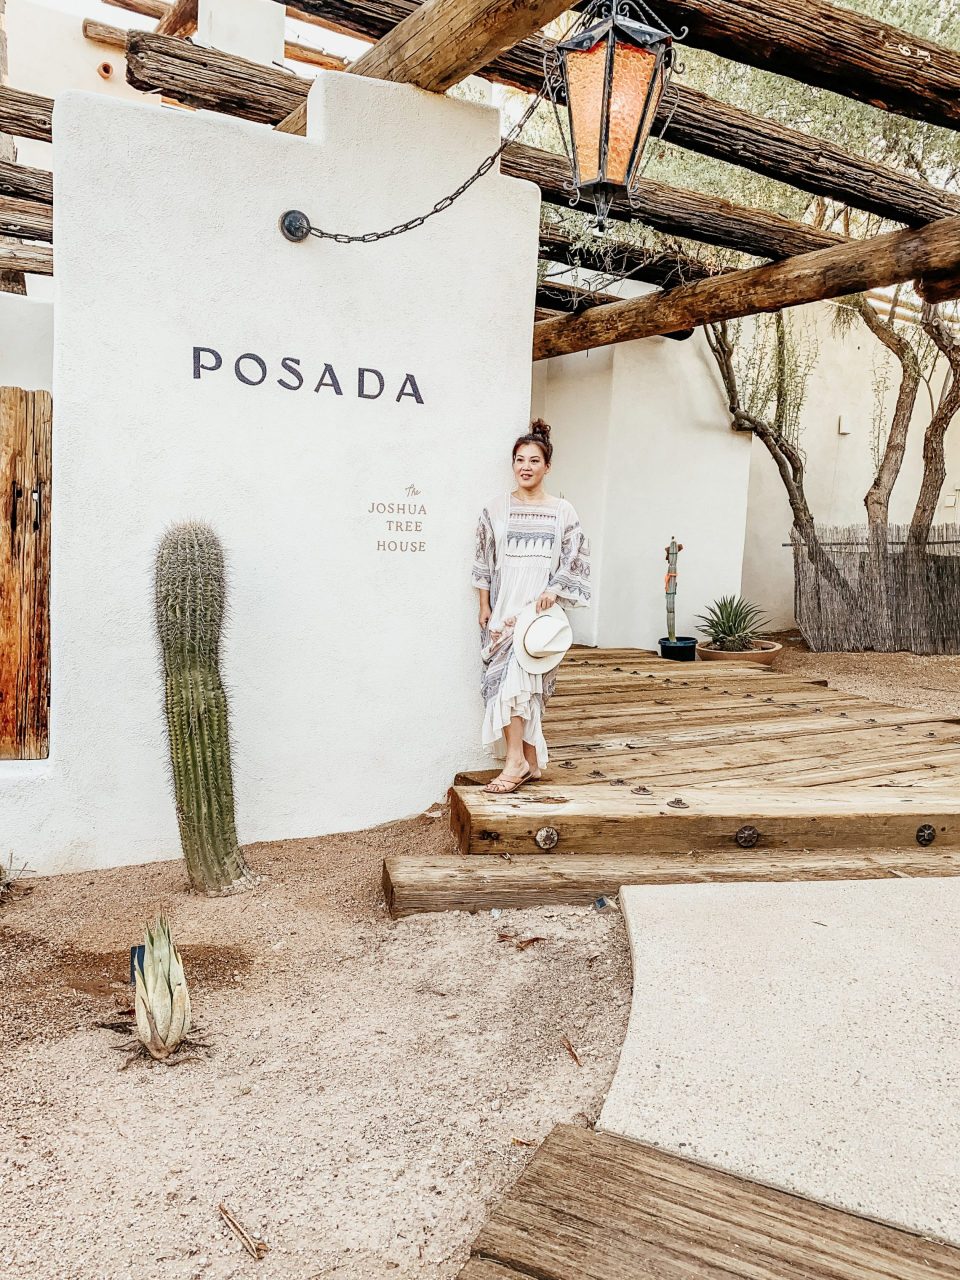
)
(614, 820)
(592, 1206)
(774, 758)
(413, 883)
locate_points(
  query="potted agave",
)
(677, 648)
(732, 626)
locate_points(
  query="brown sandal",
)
(507, 788)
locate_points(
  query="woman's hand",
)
(546, 601)
(485, 615)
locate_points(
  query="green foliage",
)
(190, 605)
(732, 624)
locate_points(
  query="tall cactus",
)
(190, 602)
(670, 586)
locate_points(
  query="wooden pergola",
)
(436, 44)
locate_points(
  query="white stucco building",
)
(352, 667)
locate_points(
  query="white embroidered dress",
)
(523, 550)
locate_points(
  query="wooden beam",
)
(443, 41)
(566, 298)
(211, 80)
(831, 47)
(712, 128)
(827, 273)
(413, 883)
(103, 33)
(619, 257)
(155, 9)
(24, 183)
(25, 464)
(704, 125)
(941, 287)
(598, 820)
(116, 38)
(179, 20)
(676, 211)
(25, 219)
(35, 259)
(26, 115)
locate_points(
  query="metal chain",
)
(370, 237)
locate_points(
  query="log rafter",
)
(827, 273)
(831, 47)
(620, 258)
(441, 42)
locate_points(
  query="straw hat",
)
(541, 639)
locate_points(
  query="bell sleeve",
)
(483, 558)
(571, 581)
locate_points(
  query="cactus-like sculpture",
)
(162, 1002)
(670, 584)
(190, 604)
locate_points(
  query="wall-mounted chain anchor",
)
(547, 838)
(925, 835)
(295, 225)
(747, 837)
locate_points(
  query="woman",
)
(530, 547)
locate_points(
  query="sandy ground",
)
(372, 1088)
(903, 679)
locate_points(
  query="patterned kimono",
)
(523, 550)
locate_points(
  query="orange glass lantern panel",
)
(586, 79)
(633, 71)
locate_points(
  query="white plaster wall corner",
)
(26, 343)
(339, 653)
(253, 29)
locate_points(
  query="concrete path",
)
(805, 1035)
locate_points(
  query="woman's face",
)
(529, 466)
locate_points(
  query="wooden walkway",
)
(594, 1207)
(663, 772)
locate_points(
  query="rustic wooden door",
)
(26, 419)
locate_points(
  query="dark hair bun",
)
(540, 428)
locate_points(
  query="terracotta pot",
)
(762, 653)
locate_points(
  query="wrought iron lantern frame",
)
(630, 22)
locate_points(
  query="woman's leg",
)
(515, 765)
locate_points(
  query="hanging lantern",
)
(612, 71)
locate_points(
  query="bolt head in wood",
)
(747, 837)
(547, 838)
(926, 835)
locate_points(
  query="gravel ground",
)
(372, 1087)
(904, 679)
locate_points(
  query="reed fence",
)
(882, 594)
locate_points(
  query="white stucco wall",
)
(644, 452)
(251, 29)
(26, 343)
(840, 466)
(574, 395)
(352, 671)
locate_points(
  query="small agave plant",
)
(732, 624)
(162, 1002)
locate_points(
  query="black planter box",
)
(683, 649)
